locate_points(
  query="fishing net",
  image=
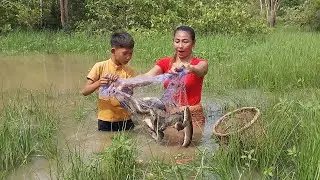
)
(171, 100)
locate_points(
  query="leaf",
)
(251, 151)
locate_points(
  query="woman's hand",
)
(200, 69)
(176, 68)
(188, 68)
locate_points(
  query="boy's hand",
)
(108, 79)
(112, 77)
(104, 81)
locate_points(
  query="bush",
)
(306, 15)
(209, 17)
(99, 17)
(21, 15)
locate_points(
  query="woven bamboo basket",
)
(242, 121)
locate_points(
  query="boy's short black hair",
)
(121, 39)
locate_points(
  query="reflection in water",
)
(66, 74)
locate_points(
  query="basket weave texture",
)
(236, 121)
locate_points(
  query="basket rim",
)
(241, 129)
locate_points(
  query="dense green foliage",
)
(101, 16)
(92, 16)
(306, 14)
(204, 16)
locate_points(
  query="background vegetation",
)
(252, 63)
(206, 16)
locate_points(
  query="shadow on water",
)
(65, 75)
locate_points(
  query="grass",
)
(28, 127)
(236, 62)
(277, 73)
(118, 161)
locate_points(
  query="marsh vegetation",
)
(45, 122)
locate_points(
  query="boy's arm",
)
(91, 85)
(94, 80)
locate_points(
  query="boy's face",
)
(122, 55)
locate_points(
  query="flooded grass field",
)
(48, 130)
(53, 82)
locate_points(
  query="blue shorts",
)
(115, 126)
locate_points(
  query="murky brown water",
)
(38, 71)
(67, 74)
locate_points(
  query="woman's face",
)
(183, 44)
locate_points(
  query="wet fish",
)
(188, 128)
(183, 121)
(153, 112)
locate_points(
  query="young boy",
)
(111, 115)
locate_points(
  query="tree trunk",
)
(272, 18)
(66, 17)
(41, 12)
(261, 7)
(63, 22)
(64, 13)
(271, 7)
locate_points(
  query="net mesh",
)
(173, 98)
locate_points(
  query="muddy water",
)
(67, 74)
(39, 71)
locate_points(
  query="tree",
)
(271, 7)
(64, 13)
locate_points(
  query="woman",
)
(183, 43)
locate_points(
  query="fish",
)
(154, 115)
(188, 128)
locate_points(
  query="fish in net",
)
(173, 98)
(156, 112)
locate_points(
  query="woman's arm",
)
(156, 70)
(140, 80)
(200, 69)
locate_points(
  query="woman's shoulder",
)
(165, 59)
(196, 60)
